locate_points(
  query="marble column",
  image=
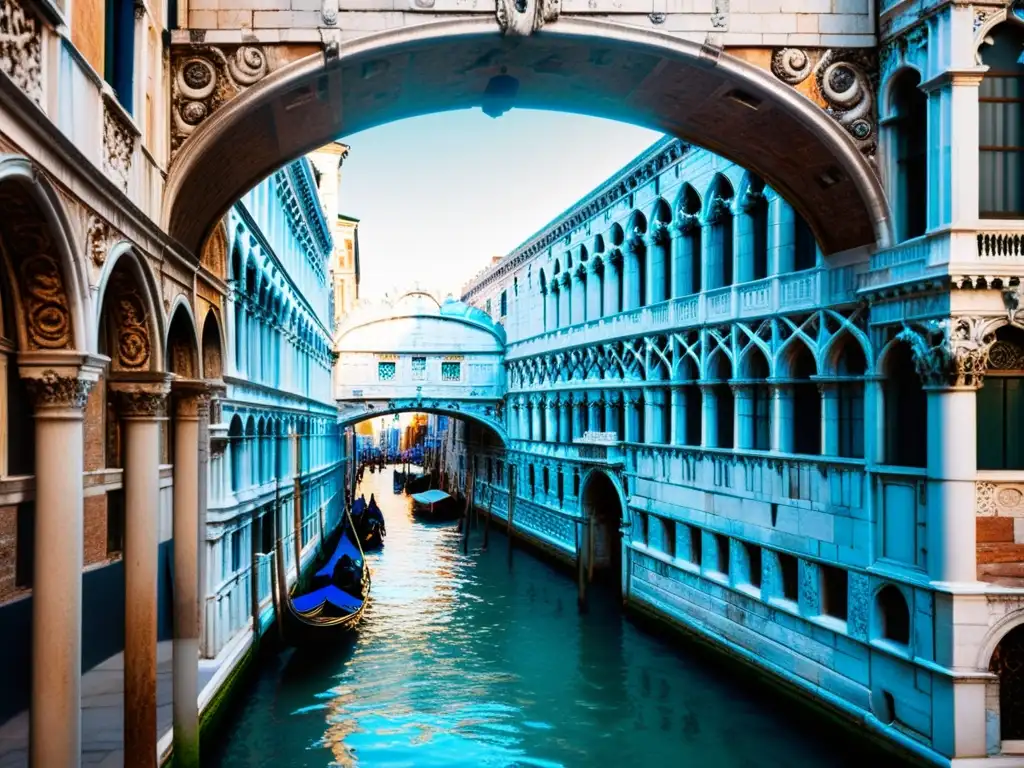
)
(141, 406)
(782, 417)
(709, 420)
(611, 412)
(743, 416)
(683, 256)
(743, 243)
(535, 427)
(564, 418)
(654, 420)
(551, 417)
(564, 299)
(632, 290)
(595, 287)
(631, 403)
(579, 414)
(594, 411)
(612, 281)
(657, 263)
(524, 418)
(829, 418)
(58, 385)
(578, 305)
(191, 401)
(781, 235)
(678, 415)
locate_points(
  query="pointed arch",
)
(130, 325)
(182, 344)
(212, 347)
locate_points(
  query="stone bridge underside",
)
(242, 110)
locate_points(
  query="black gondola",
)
(370, 526)
(399, 481)
(417, 484)
(333, 602)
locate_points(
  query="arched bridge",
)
(417, 353)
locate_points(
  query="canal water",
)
(460, 662)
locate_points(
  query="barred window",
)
(451, 371)
(386, 371)
(419, 368)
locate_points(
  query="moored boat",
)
(434, 505)
(417, 483)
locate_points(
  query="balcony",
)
(780, 293)
(587, 451)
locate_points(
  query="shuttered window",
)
(1000, 421)
(1001, 126)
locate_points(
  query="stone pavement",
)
(102, 713)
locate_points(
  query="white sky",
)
(437, 196)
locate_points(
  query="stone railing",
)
(580, 450)
(779, 293)
(1001, 245)
(821, 481)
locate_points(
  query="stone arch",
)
(661, 212)
(769, 124)
(182, 345)
(636, 225)
(130, 324)
(213, 347)
(753, 363)
(616, 235)
(792, 356)
(603, 506)
(50, 287)
(719, 189)
(834, 353)
(893, 618)
(688, 203)
(215, 249)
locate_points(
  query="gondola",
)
(370, 526)
(417, 484)
(435, 506)
(332, 604)
(399, 481)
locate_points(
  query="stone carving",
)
(25, 235)
(51, 390)
(132, 345)
(118, 147)
(720, 17)
(844, 81)
(1005, 356)
(519, 18)
(21, 57)
(329, 12)
(214, 255)
(141, 403)
(1005, 499)
(97, 240)
(192, 404)
(206, 78)
(952, 352)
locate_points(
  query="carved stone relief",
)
(97, 240)
(131, 343)
(999, 499)
(52, 390)
(845, 81)
(118, 146)
(25, 237)
(519, 18)
(952, 352)
(205, 78)
(21, 56)
(214, 255)
(140, 403)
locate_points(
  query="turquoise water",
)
(462, 662)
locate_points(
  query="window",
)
(1001, 126)
(805, 253)
(1000, 416)
(641, 519)
(533, 483)
(419, 368)
(696, 545)
(267, 532)
(910, 125)
(834, 592)
(504, 304)
(21, 432)
(722, 553)
(24, 552)
(451, 371)
(789, 570)
(386, 371)
(119, 49)
(758, 213)
(115, 522)
(561, 487)
(544, 479)
(753, 555)
(236, 551)
(668, 537)
(906, 411)
(894, 616)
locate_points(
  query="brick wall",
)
(94, 426)
(95, 526)
(1001, 550)
(8, 543)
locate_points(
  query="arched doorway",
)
(1008, 664)
(603, 515)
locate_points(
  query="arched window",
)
(806, 402)
(1001, 125)
(719, 217)
(1000, 411)
(237, 450)
(687, 268)
(910, 135)
(1008, 664)
(758, 213)
(851, 366)
(721, 372)
(906, 411)
(893, 615)
(757, 371)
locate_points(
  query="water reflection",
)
(459, 664)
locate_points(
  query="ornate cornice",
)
(298, 194)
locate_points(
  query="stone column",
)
(829, 418)
(678, 416)
(611, 412)
(594, 288)
(578, 305)
(191, 402)
(711, 257)
(632, 290)
(683, 255)
(657, 262)
(709, 422)
(58, 385)
(524, 418)
(654, 404)
(551, 417)
(141, 406)
(535, 403)
(579, 414)
(743, 416)
(631, 400)
(554, 320)
(743, 242)
(564, 299)
(781, 234)
(782, 417)
(612, 280)
(564, 428)
(594, 411)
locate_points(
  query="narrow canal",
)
(460, 663)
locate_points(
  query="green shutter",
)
(991, 424)
(1013, 400)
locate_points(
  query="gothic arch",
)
(182, 345)
(214, 254)
(832, 350)
(688, 203)
(130, 324)
(790, 351)
(49, 285)
(213, 347)
(720, 188)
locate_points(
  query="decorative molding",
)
(97, 240)
(999, 499)
(521, 18)
(845, 80)
(952, 352)
(52, 390)
(133, 345)
(141, 403)
(191, 404)
(204, 78)
(720, 16)
(21, 57)
(118, 144)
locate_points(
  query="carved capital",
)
(53, 389)
(191, 400)
(953, 352)
(659, 234)
(141, 398)
(688, 222)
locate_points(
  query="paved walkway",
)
(102, 713)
